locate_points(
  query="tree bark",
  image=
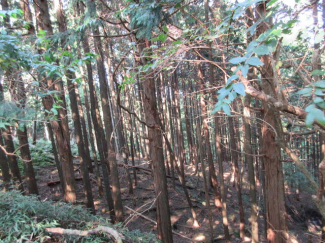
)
(271, 134)
(156, 154)
(60, 126)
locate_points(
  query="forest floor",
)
(302, 214)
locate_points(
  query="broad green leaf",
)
(310, 119)
(318, 72)
(320, 84)
(231, 78)
(319, 115)
(318, 100)
(321, 105)
(239, 88)
(261, 50)
(226, 109)
(252, 46)
(244, 69)
(254, 61)
(41, 33)
(310, 108)
(305, 91)
(319, 92)
(223, 94)
(176, 42)
(319, 37)
(237, 60)
(55, 112)
(216, 109)
(165, 28)
(276, 32)
(162, 37)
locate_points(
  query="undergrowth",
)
(24, 219)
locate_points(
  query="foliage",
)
(41, 152)
(24, 218)
(146, 16)
(294, 177)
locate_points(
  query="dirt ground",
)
(302, 214)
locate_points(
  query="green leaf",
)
(216, 109)
(270, 3)
(226, 109)
(231, 78)
(239, 88)
(305, 91)
(318, 100)
(162, 37)
(320, 84)
(261, 50)
(237, 60)
(254, 61)
(244, 69)
(41, 33)
(55, 112)
(176, 42)
(277, 32)
(319, 115)
(318, 72)
(310, 108)
(321, 105)
(319, 92)
(165, 28)
(223, 93)
(310, 119)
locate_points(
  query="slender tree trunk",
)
(92, 142)
(76, 117)
(222, 183)
(205, 129)
(116, 192)
(250, 163)
(271, 133)
(99, 131)
(60, 127)
(4, 165)
(234, 157)
(156, 155)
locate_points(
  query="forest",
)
(162, 121)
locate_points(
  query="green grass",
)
(24, 219)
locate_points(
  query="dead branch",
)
(154, 222)
(104, 229)
(52, 183)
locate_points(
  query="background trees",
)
(184, 85)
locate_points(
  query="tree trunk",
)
(156, 154)
(4, 166)
(271, 133)
(60, 126)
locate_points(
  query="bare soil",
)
(303, 218)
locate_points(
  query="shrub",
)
(24, 219)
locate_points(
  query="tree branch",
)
(249, 89)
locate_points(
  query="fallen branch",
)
(154, 222)
(52, 183)
(104, 229)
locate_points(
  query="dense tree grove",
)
(219, 98)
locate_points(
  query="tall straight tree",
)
(60, 126)
(75, 115)
(108, 126)
(271, 134)
(156, 152)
